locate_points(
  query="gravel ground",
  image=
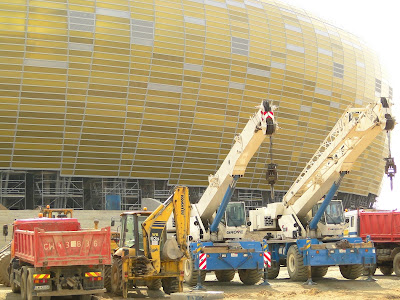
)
(333, 286)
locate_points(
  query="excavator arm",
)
(153, 228)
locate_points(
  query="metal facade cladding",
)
(158, 89)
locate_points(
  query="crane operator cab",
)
(234, 221)
(332, 221)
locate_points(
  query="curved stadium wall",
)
(158, 89)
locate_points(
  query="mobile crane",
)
(306, 234)
(217, 227)
(145, 256)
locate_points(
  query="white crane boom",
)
(352, 134)
(235, 163)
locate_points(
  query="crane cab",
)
(332, 221)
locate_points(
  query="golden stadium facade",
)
(158, 89)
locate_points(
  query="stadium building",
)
(107, 102)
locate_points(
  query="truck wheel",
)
(386, 270)
(351, 271)
(23, 284)
(14, 287)
(116, 277)
(170, 285)
(154, 284)
(250, 276)
(5, 258)
(225, 275)
(29, 287)
(318, 272)
(296, 269)
(273, 272)
(368, 269)
(396, 264)
(190, 274)
(107, 278)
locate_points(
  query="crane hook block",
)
(390, 169)
(272, 174)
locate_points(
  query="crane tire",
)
(250, 276)
(294, 262)
(154, 284)
(191, 275)
(273, 272)
(5, 258)
(351, 271)
(396, 264)
(225, 275)
(318, 272)
(170, 285)
(386, 270)
(367, 269)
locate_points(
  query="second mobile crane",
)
(305, 233)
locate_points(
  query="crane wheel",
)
(154, 284)
(396, 264)
(318, 272)
(5, 258)
(225, 275)
(351, 271)
(107, 278)
(250, 276)
(367, 269)
(191, 275)
(273, 272)
(386, 270)
(116, 276)
(170, 285)
(296, 269)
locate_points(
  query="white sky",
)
(378, 24)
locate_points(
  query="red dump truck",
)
(383, 227)
(56, 257)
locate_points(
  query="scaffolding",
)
(251, 198)
(13, 189)
(126, 192)
(59, 192)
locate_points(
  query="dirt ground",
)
(333, 286)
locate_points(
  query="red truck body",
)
(381, 226)
(49, 242)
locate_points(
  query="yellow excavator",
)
(146, 257)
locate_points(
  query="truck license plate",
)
(42, 287)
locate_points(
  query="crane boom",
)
(235, 164)
(352, 134)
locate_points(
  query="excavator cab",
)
(131, 230)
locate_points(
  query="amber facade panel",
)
(158, 89)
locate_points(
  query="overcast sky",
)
(378, 24)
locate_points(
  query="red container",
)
(381, 226)
(60, 242)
